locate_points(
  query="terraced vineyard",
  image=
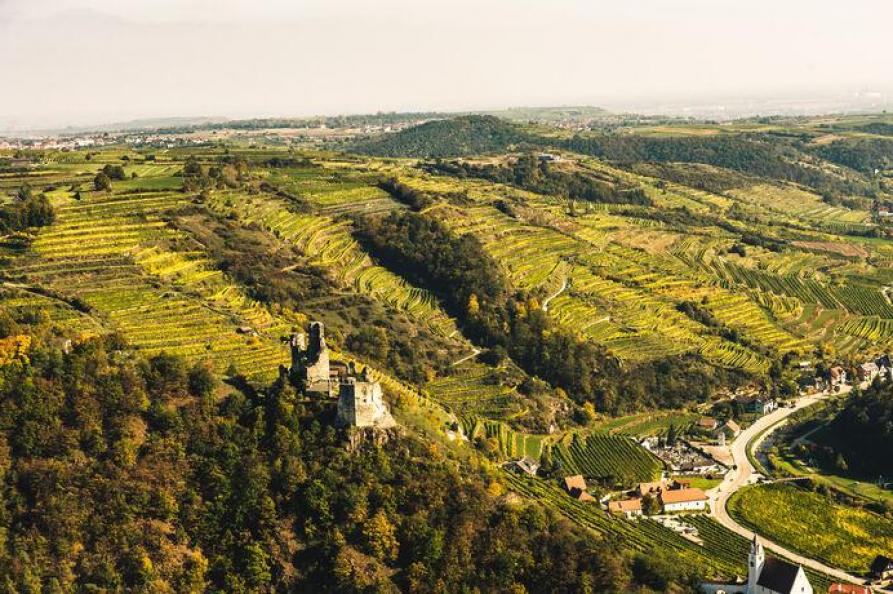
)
(509, 443)
(725, 544)
(720, 554)
(647, 424)
(815, 525)
(614, 458)
(790, 200)
(104, 250)
(328, 243)
(332, 193)
(678, 270)
(474, 389)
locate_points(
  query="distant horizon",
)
(697, 108)
(90, 62)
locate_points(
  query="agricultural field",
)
(105, 250)
(328, 243)
(660, 264)
(646, 424)
(474, 389)
(815, 525)
(612, 273)
(507, 442)
(615, 459)
(789, 200)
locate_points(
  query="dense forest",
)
(466, 135)
(127, 475)
(757, 156)
(860, 437)
(863, 154)
(511, 322)
(529, 173)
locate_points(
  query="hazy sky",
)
(89, 61)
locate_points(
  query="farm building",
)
(765, 576)
(630, 508)
(868, 371)
(729, 430)
(837, 376)
(758, 405)
(677, 500)
(576, 487)
(651, 488)
(525, 465)
(708, 423)
(656, 487)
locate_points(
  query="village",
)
(691, 459)
(697, 457)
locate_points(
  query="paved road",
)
(744, 474)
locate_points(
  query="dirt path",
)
(744, 474)
(556, 294)
(474, 353)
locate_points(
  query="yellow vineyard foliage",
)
(14, 349)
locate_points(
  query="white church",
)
(765, 576)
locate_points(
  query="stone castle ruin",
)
(360, 402)
(360, 399)
(310, 365)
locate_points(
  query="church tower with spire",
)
(755, 561)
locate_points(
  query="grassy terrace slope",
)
(775, 267)
(812, 524)
(617, 274)
(107, 251)
(615, 294)
(327, 239)
(705, 258)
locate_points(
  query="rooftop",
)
(575, 482)
(848, 589)
(778, 575)
(625, 505)
(682, 496)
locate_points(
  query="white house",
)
(677, 500)
(525, 465)
(765, 576)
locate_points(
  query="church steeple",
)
(755, 561)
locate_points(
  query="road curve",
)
(744, 474)
(563, 288)
(474, 353)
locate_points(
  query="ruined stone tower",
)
(360, 403)
(310, 366)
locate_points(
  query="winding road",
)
(744, 474)
(563, 288)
